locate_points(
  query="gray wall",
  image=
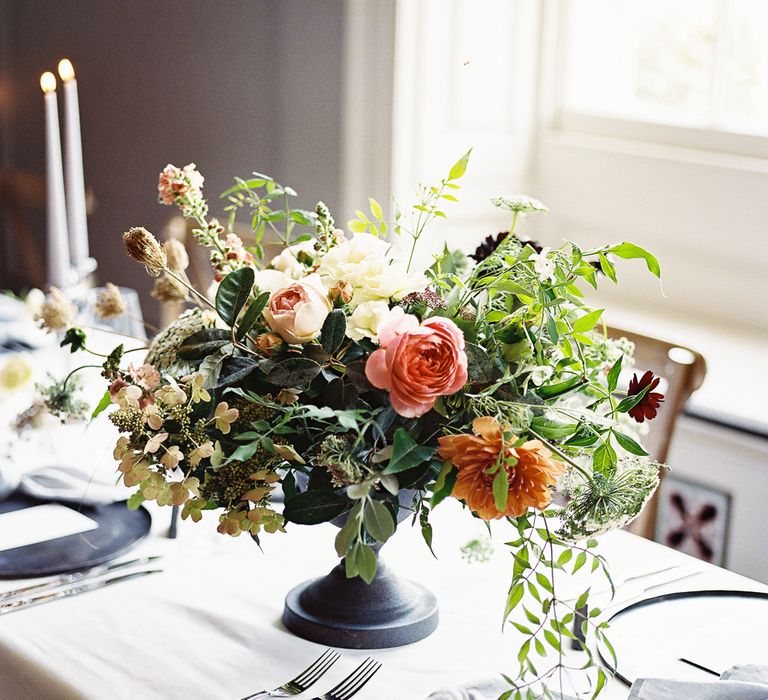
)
(234, 86)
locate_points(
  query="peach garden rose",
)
(297, 312)
(417, 363)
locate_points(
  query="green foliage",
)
(315, 506)
(406, 453)
(233, 292)
(75, 338)
(333, 331)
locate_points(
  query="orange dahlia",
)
(530, 478)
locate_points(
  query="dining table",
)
(207, 625)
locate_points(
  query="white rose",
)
(368, 264)
(288, 261)
(367, 318)
(270, 280)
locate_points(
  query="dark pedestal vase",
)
(352, 614)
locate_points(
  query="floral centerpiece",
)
(367, 387)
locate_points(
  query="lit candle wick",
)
(66, 69)
(48, 82)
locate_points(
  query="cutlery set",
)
(97, 577)
(344, 690)
(68, 585)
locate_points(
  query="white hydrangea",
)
(367, 318)
(372, 268)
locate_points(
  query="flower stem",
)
(562, 454)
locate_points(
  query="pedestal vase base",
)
(351, 614)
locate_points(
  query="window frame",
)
(559, 121)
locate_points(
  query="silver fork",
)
(308, 677)
(354, 682)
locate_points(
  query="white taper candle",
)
(73, 163)
(59, 269)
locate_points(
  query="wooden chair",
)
(683, 370)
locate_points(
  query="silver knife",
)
(75, 590)
(66, 579)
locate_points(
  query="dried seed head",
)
(176, 254)
(169, 289)
(56, 312)
(143, 247)
(110, 302)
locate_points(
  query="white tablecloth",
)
(209, 626)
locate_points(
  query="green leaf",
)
(602, 679)
(630, 250)
(629, 444)
(251, 315)
(604, 458)
(513, 598)
(203, 343)
(293, 372)
(315, 506)
(376, 209)
(347, 534)
(363, 562)
(581, 559)
(585, 436)
(75, 338)
(552, 639)
(135, 501)
(627, 404)
(333, 331)
(550, 391)
(234, 369)
(378, 520)
(406, 453)
(552, 430)
(500, 489)
(554, 336)
(233, 292)
(613, 374)
(459, 167)
(588, 321)
(102, 405)
(607, 267)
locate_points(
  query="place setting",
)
(396, 430)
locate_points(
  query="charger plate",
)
(118, 530)
(688, 635)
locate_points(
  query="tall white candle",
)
(73, 163)
(59, 270)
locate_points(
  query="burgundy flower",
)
(489, 245)
(646, 409)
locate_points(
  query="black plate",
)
(118, 530)
(627, 676)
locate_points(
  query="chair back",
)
(683, 370)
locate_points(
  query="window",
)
(699, 64)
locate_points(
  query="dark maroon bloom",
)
(646, 409)
(489, 245)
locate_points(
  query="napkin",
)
(747, 682)
(70, 485)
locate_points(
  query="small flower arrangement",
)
(342, 372)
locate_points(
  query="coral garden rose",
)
(417, 363)
(531, 471)
(297, 312)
